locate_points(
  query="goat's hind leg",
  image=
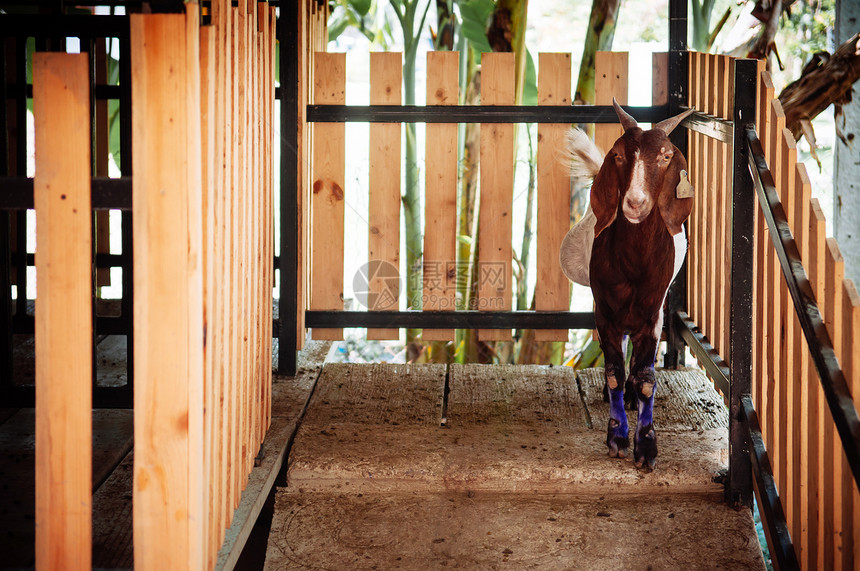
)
(645, 385)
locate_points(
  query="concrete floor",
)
(485, 467)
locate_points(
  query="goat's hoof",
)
(617, 439)
(645, 448)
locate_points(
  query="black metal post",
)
(288, 293)
(676, 299)
(739, 491)
(125, 164)
(19, 259)
(6, 380)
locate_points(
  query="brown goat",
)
(632, 242)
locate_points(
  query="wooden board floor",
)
(476, 466)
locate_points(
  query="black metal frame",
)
(288, 261)
(17, 195)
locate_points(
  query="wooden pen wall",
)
(325, 193)
(812, 476)
(810, 468)
(202, 139)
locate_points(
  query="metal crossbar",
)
(479, 114)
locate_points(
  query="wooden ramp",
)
(475, 466)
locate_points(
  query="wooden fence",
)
(202, 203)
(812, 476)
(810, 468)
(321, 271)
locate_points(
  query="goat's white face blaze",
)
(638, 202)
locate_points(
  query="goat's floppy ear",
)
(674, 210)
(604, 195)
(668, 125)
(626, 120)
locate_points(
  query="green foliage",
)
(530, 87)
(805, 29)
(475, 15)
(113, 113)
(700, 15)
(366, 16)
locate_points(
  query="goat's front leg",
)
(644, 383)
(617, 433)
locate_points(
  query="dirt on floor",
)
(485, 467)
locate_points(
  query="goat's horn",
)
(668, 125)
(626, 120)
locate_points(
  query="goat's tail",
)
(585, 157)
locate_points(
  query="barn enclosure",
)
(159, 291)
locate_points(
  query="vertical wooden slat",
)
(384, 201)
(771, 316)
(779, 305)
(256, 236)
(762, 331)
(63, 265)
(169, 482)
(723, 208)
(207, 139)
(788, 374)
(610, 72)
(267, 214)
(440, 233)
(328, 192)
(807, 455)
(225, 181)
(817, 232)
(254, 242)
(270, 211)
(198, 479)
(700, 168)
(717, 91)
(727, 153)
(710, 190)
(850, 362)
(704, 168)
(497, 188)
(697, 174)
(552, 288)
(693, 138)
(834, 270)
(305, 131)
(659, 78)
(263, 259)
(233, 294)
(757, 333)
(252, 246)
(245, 192)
